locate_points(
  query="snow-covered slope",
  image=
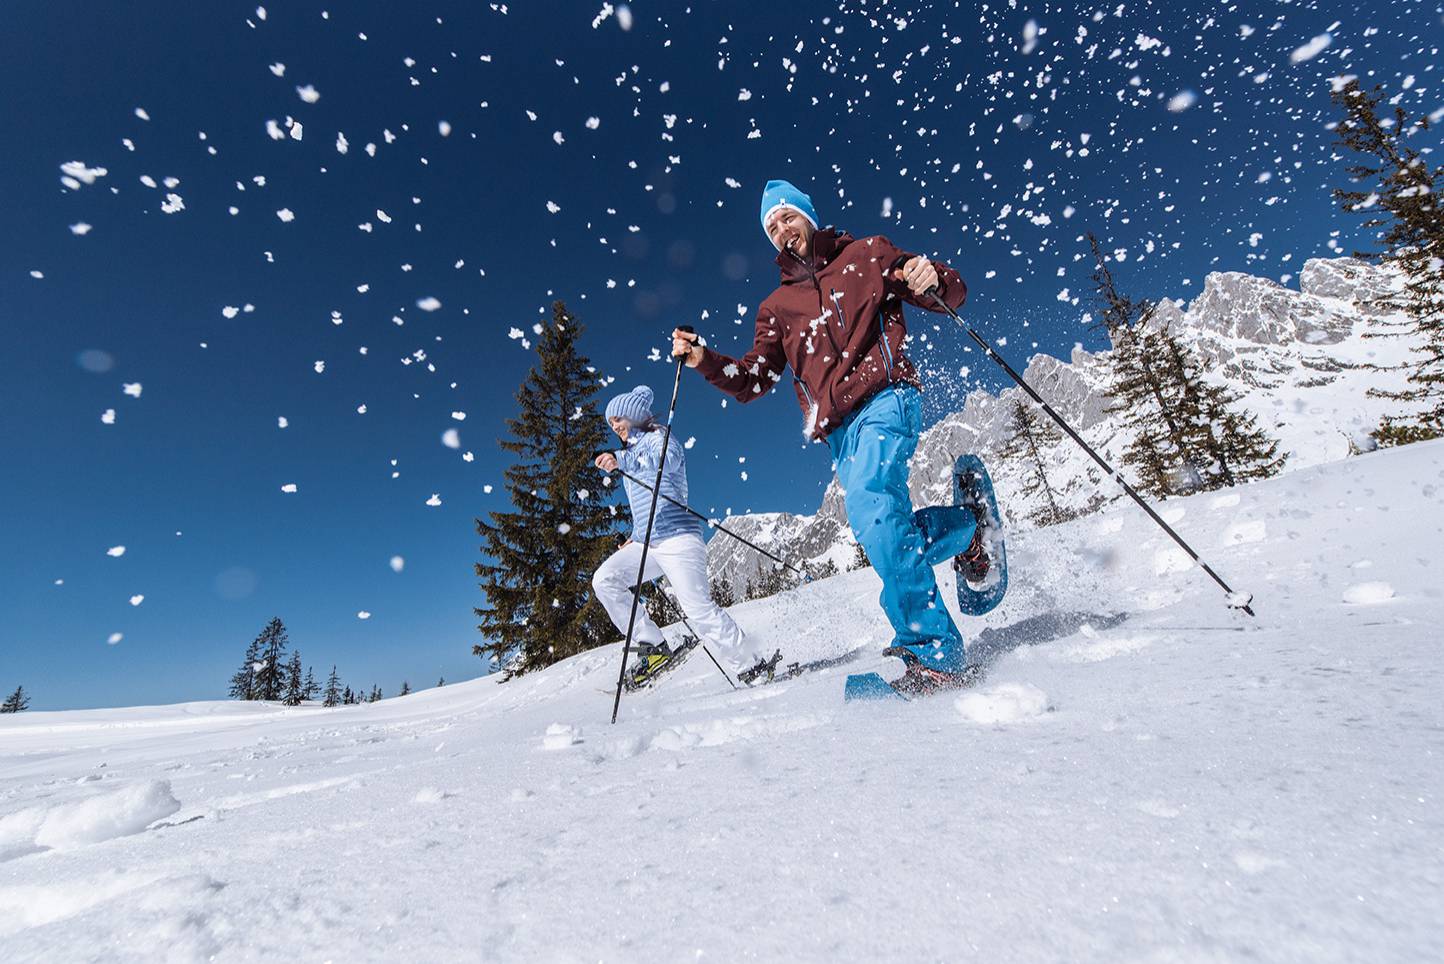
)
(1301, 359)
(1143, 775)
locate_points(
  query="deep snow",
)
(1143, 775)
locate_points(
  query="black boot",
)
(974, 562)
(762, 668)
(918, 679)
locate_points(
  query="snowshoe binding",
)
(653, 660)
(763, 670)
(982, 568)
(918, 679)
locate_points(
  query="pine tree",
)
(1187, 433)
(1030, 439)
(405, 689)
(1404, 190)
(859, 559)
(332, 694)
(309, 689)
(1240, 451)
(348, 698)
(722, 592)
(820, 570)
(16, 701)
(1159, 450)
(661, 604)
(243, 680)
(769, 581)
(441, 682)
(295, 683)
(269, 679)
(539, 558)
(376, 695)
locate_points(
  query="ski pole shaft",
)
(715, 525)
(651, 518)
(698, 637)
(718, 665)
(1117, 476)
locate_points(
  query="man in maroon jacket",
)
(836, 320)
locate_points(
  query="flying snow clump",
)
(1311, 49)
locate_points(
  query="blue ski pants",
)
(870, 452)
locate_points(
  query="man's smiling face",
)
(790, 230)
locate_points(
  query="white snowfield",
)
(1143, 776)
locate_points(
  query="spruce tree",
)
(859, 559)
(243, 680)
(269, 679)
(16, 701)
(332, 694)
(376, 695)
(722, 592)
(441, 682)
(309, 689)
(348, 698)
(1031, 437)
(405, 689)
(1238, 450)
(538, 558)
(769, 581)
(295, 683)
(1187, 433)
(1399, 192)
(1159, 451)
(820, 570)
(661, 604)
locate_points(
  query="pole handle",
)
(689, 330)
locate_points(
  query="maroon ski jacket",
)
(837, 319)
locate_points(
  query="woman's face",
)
(621, 426)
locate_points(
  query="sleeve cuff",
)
(711, 364)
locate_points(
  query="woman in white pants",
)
(677, 550)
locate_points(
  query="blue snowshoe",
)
(917, 680)
(982, 569)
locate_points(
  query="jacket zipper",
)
(817, 286)
(886, 349)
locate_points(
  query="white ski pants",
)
(683, 560)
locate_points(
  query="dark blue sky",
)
(522, 154)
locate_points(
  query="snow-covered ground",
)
(1143, 776)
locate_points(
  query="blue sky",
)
(521, 154)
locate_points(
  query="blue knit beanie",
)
(784, 194)
(635, 406)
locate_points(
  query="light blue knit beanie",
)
(779, 194)
(635, 406)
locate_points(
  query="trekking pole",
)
(1236, 600)
(651, 518)
(707, 651)
(717, 525)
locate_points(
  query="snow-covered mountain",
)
(1143, 775)
(1301, 358)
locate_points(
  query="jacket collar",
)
(826, 245)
